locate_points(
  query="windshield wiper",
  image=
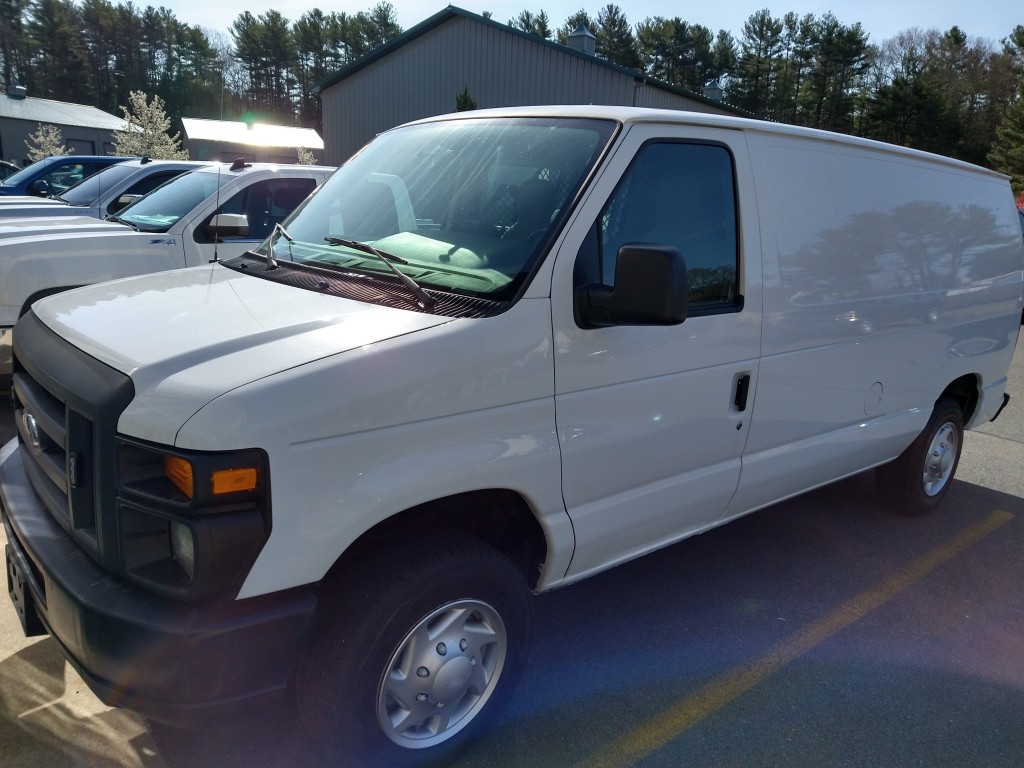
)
(118, 220)
(423, 299)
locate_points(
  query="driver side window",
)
(680, 194)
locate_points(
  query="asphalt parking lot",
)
(822, 631)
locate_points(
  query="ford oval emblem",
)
(35, 435)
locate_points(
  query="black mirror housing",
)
(650, 289)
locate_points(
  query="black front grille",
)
(66, 406)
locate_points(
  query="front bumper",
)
(177, 662)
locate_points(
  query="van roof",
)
(641, 115)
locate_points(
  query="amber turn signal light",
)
(233, 480)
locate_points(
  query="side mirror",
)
(227, 225)
(39, 188)
(650, 289)
(122, 202)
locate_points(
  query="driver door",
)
(652, 420)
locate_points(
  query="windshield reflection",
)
(469, 204)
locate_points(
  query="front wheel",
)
(918, 480)
(418, 651)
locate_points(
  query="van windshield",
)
(466, 206)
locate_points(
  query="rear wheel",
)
(917, 481)
(419, 651)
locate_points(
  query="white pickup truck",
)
(214, 211)
(495, 353)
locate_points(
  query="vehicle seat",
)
(284, 201)
(535, 207)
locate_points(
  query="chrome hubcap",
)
(938, 465)
(442, 674)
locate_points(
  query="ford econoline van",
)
(494, 354)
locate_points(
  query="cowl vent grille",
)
(371, 289)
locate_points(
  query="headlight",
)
(191, 523)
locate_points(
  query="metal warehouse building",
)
(86, 130)
(421, 73)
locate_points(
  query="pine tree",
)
(615, 39)
(464, 102)
(1007, 153)
(147, 131)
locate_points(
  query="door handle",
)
(742, 388)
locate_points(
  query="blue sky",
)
(988, 19)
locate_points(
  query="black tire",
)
(437, 630)
(917, 481)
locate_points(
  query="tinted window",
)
(87, 191)
(678, 194)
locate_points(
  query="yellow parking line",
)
(678, 718)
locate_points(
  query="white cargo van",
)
(494, 354)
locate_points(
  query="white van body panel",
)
(397, 435)
(865, 318)
(619, 439)
(212, 330)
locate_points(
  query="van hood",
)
(189, 335)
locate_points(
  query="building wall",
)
(83, 141)
(203, 149)
(423, 78)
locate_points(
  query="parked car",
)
(214, 212)
(54, 175)
(496, 353)
(103, 193)
(6, 169)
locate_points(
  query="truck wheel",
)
(418, 651)
(917, 481)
